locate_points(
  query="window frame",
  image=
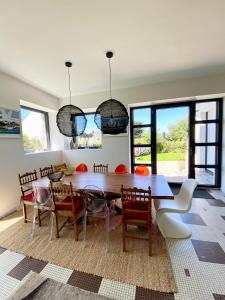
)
(192, 143)
(47, 127)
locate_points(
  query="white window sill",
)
(41, 152)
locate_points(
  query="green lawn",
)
(163, 157)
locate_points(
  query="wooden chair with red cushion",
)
(141, 170)
(25, 181)
(136, 210)
(67, 203)
(46, 171)
(101, 168)
(121, 169)
(81, 168)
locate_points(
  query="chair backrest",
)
(46, 171)
(60, 191)
(141, 170)
(186, 193)
(81, 168)
(121, 169)
(135, 195)
(61, 167)
(25, 179)
(95, 199)
(100, 168)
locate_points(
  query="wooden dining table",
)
(111, 183)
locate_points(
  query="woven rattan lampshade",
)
(111, 116)
(70, 119)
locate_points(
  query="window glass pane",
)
(142, 135)
(205, 176)
(205, 111)
(92, 136)
(35, 137)
(205, 155)
(142, 155)
(142, 116)
(205, 133)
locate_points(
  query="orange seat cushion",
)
(81, 168)
(66, 204)
(121, 169)
(140, 211)
(28, 197)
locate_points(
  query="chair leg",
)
(24, 212)
(150, 241)
(39, 218)
(56, 226)
(75, 228)
(124, 237)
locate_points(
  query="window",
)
(35, 128)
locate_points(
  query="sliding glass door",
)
(179, 140)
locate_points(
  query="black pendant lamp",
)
(70, 119)
(111, 116)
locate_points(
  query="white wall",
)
(116, 149)
(12, 158)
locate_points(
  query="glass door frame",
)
(192, 143)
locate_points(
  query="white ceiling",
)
(153, 40)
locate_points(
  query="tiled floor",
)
(198, 263)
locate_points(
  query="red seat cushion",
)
(121, 169)
(28, 197)
(140, 211)
(66, 204)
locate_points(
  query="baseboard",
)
(9, 212)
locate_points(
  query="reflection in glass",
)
(205, 176)
(205, 133)
(205, 111)
(205, 155)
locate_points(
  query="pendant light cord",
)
(110, 80)
(69, 84)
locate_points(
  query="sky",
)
(165, 117)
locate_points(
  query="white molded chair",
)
(168, 211)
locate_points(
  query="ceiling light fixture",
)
(111, 116)
(70, 119)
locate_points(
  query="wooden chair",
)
(100, 168)
(136, 210)
(46, 171)
(67, 203)
(27, 192)
(61, 167)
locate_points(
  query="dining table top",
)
(111, 182)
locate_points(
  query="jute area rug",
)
(133, 267)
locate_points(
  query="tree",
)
(178, 131)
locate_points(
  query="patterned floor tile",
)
(145, 294)
(2, 250)
(218, 297)
(25, 266)
(216, 202)
(117, 290)
(209, 251)
(192, 218)
(57, 273)
(85, 281)
(7, 285)
(8, 260)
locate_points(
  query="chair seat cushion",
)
(136, 211)
(27, 198)
(66, 204)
